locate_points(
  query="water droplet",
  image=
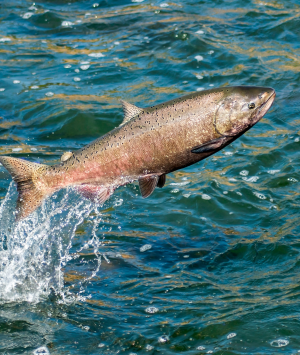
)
(95, 5)
(164, 4)
(231, 335)
(96, 55)
(273, 172)
(149, 347)
(244, 172)
(186, 195)
(151, 310)
(101, 345)
(5, 39)
(67, 23)
(206, 197)
(145, 247)
(200, 347)
(199, 58)
(250, 179)
(27, 15)
(16, 81)
(34, 87)
(41, 351)
(163, 339)
(49, 93)
(2, 89)
(259, 195)
(211, 52)
(67, 66)
(200, 32)
(17, 149)
(200, 89)
(292, 179)
(174, 191)
(279, 343)
(84, 67)
(76, 78)
(198, 76)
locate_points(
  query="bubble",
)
(292, 179)
(96, 55)
(179, 183)
(200, 32)
(117, 43)
(200, 89)
(17, 149)
(164, 4)
(16, 81)
(67, 66)
(296, 139)
(198, 76)
(84, 67)
(137, 0)
(76, 78)
(206, 197)
(76, 70)
(101, 345)
(2, 89)
(67, 23)
(211, 52)
(163, 339)
(33, 149)
(49, 93)
(95, 5)
(244, 172)
(231, 335)
(186, 195)
(199, 58)
(200, 347)
(42, 350)
(145, 247)
(279, 343)
(151, 310)
(5, 39)
(149, 347)
(34, 87)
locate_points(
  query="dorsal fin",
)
(130, 111)
(148, 184)
(66, 156)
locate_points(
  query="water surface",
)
(208, 264)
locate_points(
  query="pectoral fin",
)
(148, 184)
(209, 146)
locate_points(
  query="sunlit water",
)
(208, 264)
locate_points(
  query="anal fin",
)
(209, 146)
(95, 193)
(148, 184)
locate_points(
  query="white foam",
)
(137, 0)
(49, 94)
(174, 191)
(273, 172)
(250, 179)
(164, 4)
(244, 172)
(163, 339)
(2, 89)
(76, 78)
(67, 66)
(211, 52)
(17, 149)
(259, 195)
(206, 197)
(201, 347)
(5, 39)
(16, 81)
(200, 89)
(84, 67)
(179, 183)
(200, 32)
(149, 347)
(292, 179)
(34, 87)
(198, 76)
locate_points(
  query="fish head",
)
(241, 107)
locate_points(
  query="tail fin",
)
(24, 174)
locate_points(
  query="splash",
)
(36, 252)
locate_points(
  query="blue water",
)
(208, 264)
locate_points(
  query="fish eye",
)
(251, 105)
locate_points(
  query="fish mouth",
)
(263, 108)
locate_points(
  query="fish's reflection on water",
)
(221, 275)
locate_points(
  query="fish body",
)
(150, 143)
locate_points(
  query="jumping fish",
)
(149, 144)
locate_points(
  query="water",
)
(208, 264)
